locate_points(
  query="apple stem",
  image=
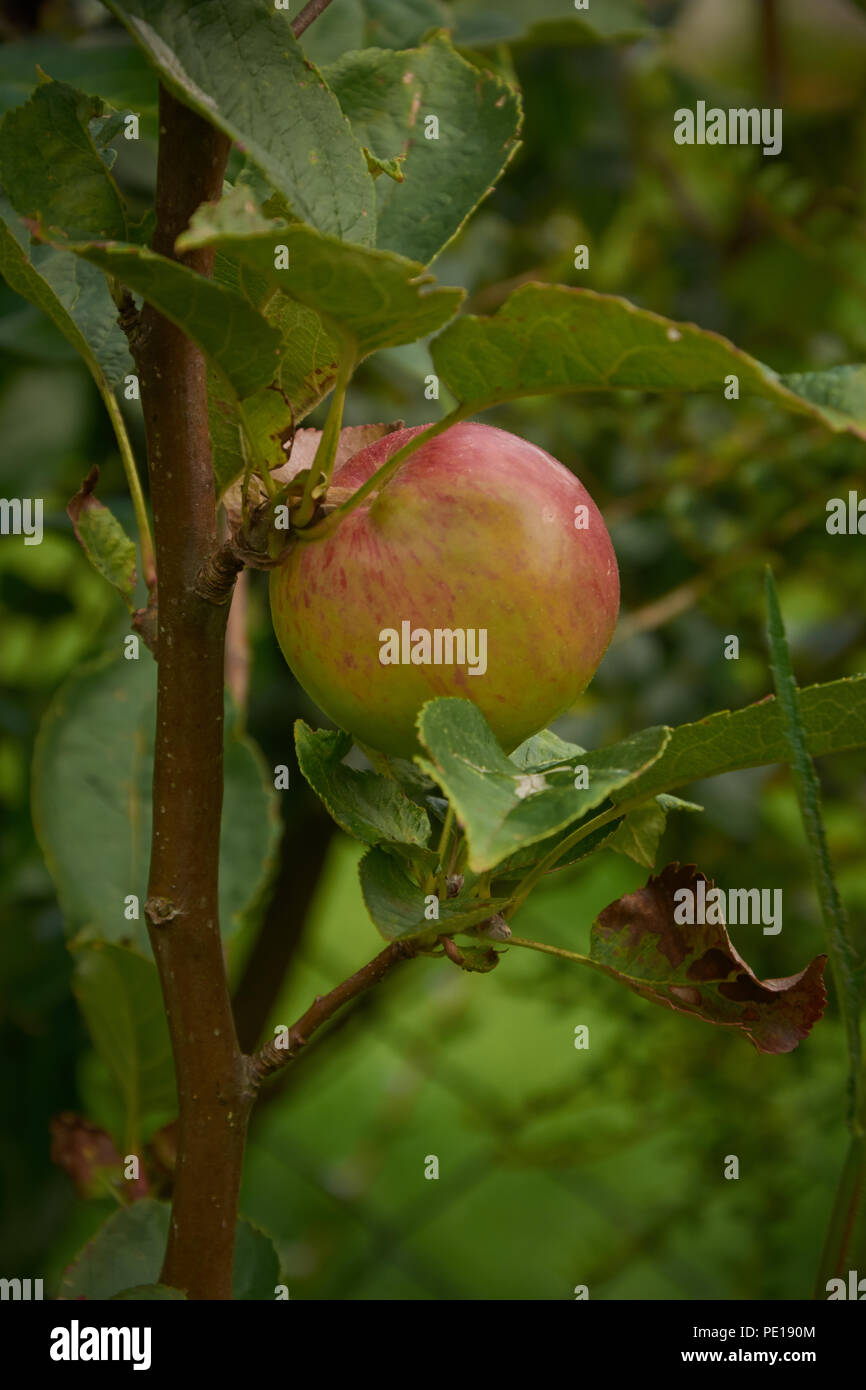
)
(255, 459)
(328, 525)
(559, 951)
(322, 466)
(550, 950)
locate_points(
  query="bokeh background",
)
(557, 1167)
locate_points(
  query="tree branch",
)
(214, 1094)
(271, 1058)
(307, 15)
(338, 1035)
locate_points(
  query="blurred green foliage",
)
(557, 1167)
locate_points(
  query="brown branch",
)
(271, 1058)
(307, 15)
(214, 1095)
(145, 622)
(360, 1013)
(215, 580)
(247, 547)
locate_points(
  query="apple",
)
(482, 568)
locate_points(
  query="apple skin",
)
(475, 530)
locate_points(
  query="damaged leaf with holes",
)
(696, 970)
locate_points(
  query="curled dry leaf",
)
(478, 960)
(695, 969)
(90, 1158)
(304, 444)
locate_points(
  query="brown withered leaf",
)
(695, 969)
(353, 439)
(89, 1156)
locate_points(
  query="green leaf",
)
(387, 96)
(355, 24)
(103, 539)
(544, 750)
(836, 393)
(549, 22)
(695, 969)
(226, 433)
(604, 837)
(396, 23)
(257, 1265)
(52, 168)
(366, 805)
(833, 717)
(237, 339)
(127, 1251)
(639, 834)
(305, 372)
(95, 752)
(502, 808)
(363, 24)
(847, 969)
(250, 830)
(115, 71)
(150, 1293)
(512, 869)
(397, 904)
(72, 293)
(549, 338)
(372, 299)
(238, 64)
(119, 995)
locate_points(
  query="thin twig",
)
(277, 1054)
(320, 530)
(322, 466)
(307, 15)
(133, 482)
